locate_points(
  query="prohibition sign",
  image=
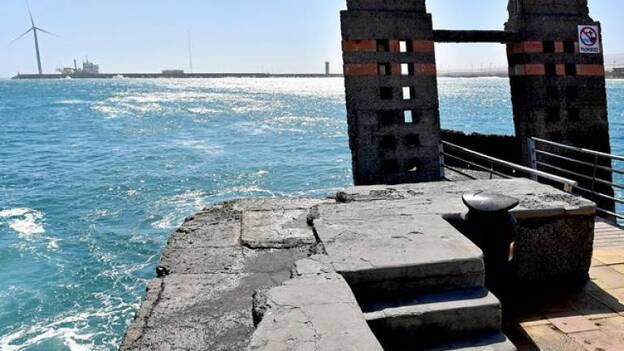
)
(589, 36)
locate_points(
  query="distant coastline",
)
(609, 75)
(165, 75)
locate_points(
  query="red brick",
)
(359, 45)
(590, 70)
(396, 69)
(528, 70)
(395, 46)
(559, 47)
(425, 69)
(561, 70)
(423, 46)
(360, 69)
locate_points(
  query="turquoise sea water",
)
(94, 175)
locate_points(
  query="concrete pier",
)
(362, 271)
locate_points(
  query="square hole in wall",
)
(388, 142)
(569, 47)
(406, 69)
(384, 69)
(386, 118)
(408, 117)
(383, 45)
(549, 46)
(406, 46)
(553, 114)
(570, 69)
(386, 93)
(408, 93)
(412, 140)
(551, 70)
(574, 114)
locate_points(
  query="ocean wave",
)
(73, 330)
(70, 102)
(24, 221)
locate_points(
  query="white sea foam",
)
(24, 221)
(70, 329)
(70, 102)
(14, 212)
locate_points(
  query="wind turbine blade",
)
(30, 14)
(21, 36)
(45, 31)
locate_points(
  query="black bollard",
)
(490, 226)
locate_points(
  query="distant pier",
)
(165, 75)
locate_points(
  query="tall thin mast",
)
(37, 50)
(190, 52)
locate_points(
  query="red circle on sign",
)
(589, 36)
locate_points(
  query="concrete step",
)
(489, 342)
(430, 318)
(383, 251)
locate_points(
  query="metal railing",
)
(591, 180)
(493, 166)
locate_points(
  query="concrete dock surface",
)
(374, 268)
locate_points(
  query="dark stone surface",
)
(392, 239)
(202, 299)
(570, 109)
(374, 160)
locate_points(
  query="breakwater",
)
(177, 76)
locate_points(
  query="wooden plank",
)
(606, 278)
(597, 341)
(613, 327)
(546, 337)
(572, 324)
(610, 256)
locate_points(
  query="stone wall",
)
(558, 92)
(391, 91)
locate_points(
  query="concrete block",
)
(198, 312)
(434, 318)
(219, 226)
(490, 342)
(312, 313)
(391, 252)
(276, 229)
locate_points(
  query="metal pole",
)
(442, 161)
(593, 188)
(532, 157)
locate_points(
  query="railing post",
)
(532, 157)
(442, 161)
(593, 188)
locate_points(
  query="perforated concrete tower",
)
(558, 92)
(558, 79)
(391, 89)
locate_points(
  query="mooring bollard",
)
(491, 228)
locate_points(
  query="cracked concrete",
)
(316, 312)
(286, 268)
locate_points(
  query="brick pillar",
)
(391, 91)
(558, 92)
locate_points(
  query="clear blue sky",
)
(233, 35)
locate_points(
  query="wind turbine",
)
(34, 29)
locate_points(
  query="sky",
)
(277, 36)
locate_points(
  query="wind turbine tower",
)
(34, 29)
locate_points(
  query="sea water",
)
(95, 174)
